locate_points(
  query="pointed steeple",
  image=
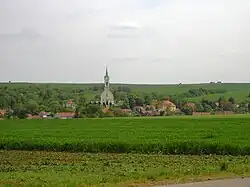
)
(107, 72)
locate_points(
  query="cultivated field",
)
(169, 135)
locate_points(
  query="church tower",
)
(107, 98)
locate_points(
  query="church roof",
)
(107, 71)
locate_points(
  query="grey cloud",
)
(24, 34)
(122, 36)
(174, 41)
(126, 26)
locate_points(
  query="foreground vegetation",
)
(22, 168)
(177, 135)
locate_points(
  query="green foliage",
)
(32, 107)
(148, 99)
(173, 135)
(41, 168)
(93, 110)
(187, 110)
(231, 100)
(224, 166)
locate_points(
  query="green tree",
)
(55, 107)
(187, 110)
(93, 110)
(222, 101)
(231, 100)
(20, 111)
(32, 107)
(139, 101)
(148, 99)
(131, 100)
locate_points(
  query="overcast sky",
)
(141, 41)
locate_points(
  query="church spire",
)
(107, 72)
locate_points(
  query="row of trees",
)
(33, 99)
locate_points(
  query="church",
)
(107, 97)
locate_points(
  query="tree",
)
(32, 106)
(131, 100)
(55, 107)
(187, 110)
(125, 104)
(148, 99)
(20, 111)
(231, 100)
(77, 112)
(139, 101)
(222, 101)
(199, 108)
(93, 110)
(97, 97)
(228, 106)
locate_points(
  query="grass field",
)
(169, 135)
(239, 91)
(26, 168)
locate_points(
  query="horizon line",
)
(44, 82)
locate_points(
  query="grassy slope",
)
(238, 90)
(21, 168)
(187, 135)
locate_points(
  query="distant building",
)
(70, 104)
(107, 97)
(65, 115)
(164, 105)
(168, 105)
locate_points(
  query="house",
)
(191, 105)
(45, 114)
(34, 117)
(168, 105)
(3, 112)
(201, 113)
(138, 109)
(65, 115)
(70, 104)
(164, 105)
(105, 110)
(126, 110)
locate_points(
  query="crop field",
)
(168, 135)
(36, 168)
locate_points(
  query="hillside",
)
(239, 91)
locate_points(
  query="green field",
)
(239, 91)
(34, 168)
(169, 135)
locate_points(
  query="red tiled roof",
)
(70, 102)
(126, 110)
(36, 117)
(167, 103)
(44, 113)
(105, 110)
(66, 114)
(3, 112)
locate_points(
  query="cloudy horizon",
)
(141, 41)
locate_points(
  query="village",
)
(106, 106)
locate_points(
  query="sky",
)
(141, 41)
